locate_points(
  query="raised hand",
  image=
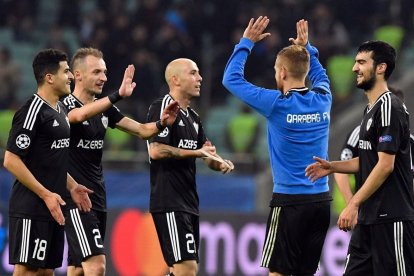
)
(254, 30)
(80, 195)
(169, 115)
(127, 85)
(318, 169)
(53, 202)
(301, 33)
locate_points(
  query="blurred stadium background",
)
(149, 34)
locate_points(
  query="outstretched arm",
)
(78, 115)
(159, 151)
(317, 74)
(323, 167)
(258, 98)
(148, 130)
(216, 163)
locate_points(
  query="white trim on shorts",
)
(80, 232)
(271, 237)
(399, 248)
(24, 250)
(175, 241)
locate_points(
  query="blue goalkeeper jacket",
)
(297, 123)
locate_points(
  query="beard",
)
(367, 84)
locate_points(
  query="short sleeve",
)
(154, 114)
(114, 116)
(389, 129)
(350, 147)
(23, 132)
(201, 136)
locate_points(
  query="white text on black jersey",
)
(90, 144)
(187, 144)
(60, 144)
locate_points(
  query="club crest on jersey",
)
(23, 141)
(104, 120)
(369, 123)
(164, 133)
(195, 126)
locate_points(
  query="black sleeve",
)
(114, 116)
(23, 132)
(201, 136)
(350, 147)
(389, 129)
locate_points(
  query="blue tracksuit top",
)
(297, 123)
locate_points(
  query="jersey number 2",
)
(97, 237)
(190, 243)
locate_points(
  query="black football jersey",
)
(350, 150)
(86, 147)
(385, 128)
(173, 181)
(40, 137)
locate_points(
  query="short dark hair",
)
(382, 52)
(47, 61)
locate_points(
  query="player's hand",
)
(348, 218)
(226, 167)
(207, 147)
(80, 195)
(301, 33)
(170, 113)
(127, 85)
(318, 169)
(53, 202)
(254, 30)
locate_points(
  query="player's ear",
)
(381, 68)
(175, 80)
(77, 75)
(49, 78)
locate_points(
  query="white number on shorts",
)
(97, 237)
(40, 249)
(190, 241)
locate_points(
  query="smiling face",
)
(365, 71)
(62, 79)
(91, 74)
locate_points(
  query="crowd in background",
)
(150, 33)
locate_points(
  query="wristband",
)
(159, 125)
(114, 97)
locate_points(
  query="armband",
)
(159, 125)
(114, 97)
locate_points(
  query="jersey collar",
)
(301, 90)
